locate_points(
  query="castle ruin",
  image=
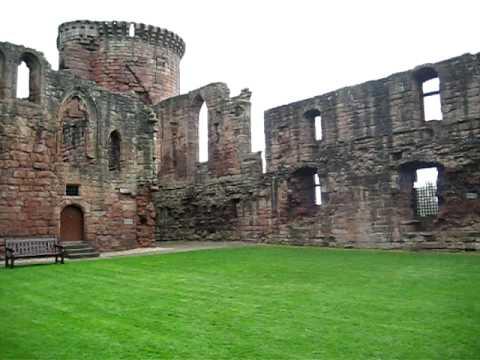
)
(106, 151)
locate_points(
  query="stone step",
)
(83, 255)
(72, 245)
(436, 245)
(75, 245)
(426, 236)
(78, 249)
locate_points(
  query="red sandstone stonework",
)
(147, 63)
(118, 94)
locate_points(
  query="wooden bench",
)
(23, 248)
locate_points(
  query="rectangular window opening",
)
(203, 133)
(318, 190)
(425, 188)
(131, 30)
(432, 107)
(72, 190)
(431, 86)
(318, 128)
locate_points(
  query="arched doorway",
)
(71, 224)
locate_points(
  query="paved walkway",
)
(177, 246)
(164, 248)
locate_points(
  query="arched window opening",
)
(28, 78)
(114, 151)
(23, 81)
(131, 30)
(425, 187)
(314, 125)
(430, 94)
(75, 118)
(203, 133)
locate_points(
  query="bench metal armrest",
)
(9, 250)
(59, 246)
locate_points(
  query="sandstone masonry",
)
(109, 138)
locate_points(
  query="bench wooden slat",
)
(32, 247)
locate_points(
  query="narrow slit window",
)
(23, 81)
(2, 71)
(318, 190)
(114, 151)
(432, 106)
(425, 188)
(318, 128)
(203, 133)
(131, 30)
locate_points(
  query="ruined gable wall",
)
(218, 199)
(27, 176)
(370, 133)
(177, 133)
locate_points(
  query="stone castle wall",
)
(374, 138)
(110, 122)
(63, 138)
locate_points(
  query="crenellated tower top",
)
(84, 30)
(123, 56)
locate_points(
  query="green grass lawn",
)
(251, 302)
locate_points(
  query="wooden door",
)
(71, 224)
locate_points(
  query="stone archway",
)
(71, 224)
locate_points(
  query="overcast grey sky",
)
(282, 50)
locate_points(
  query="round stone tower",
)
(123, 56)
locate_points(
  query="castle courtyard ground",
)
(245, 302)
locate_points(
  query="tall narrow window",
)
(114, 151)
(2, 75)
(75, 122)
(318, 190)
(432, 106)
(23, 81)
(131, 30)
(203, 133)
(429, 87)
(318, 127)
(28, 78)
(425, 187)
(313, 126)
